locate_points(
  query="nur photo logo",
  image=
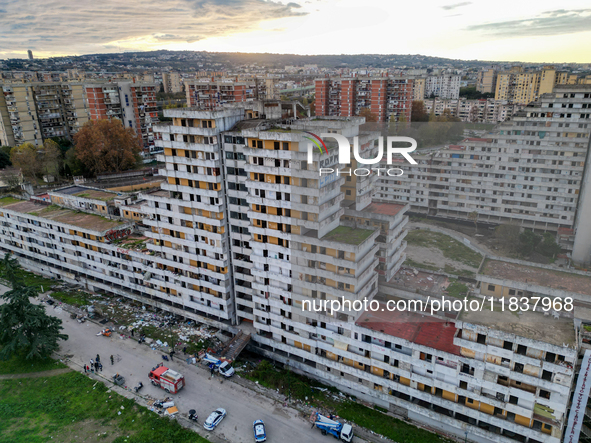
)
(343, 154)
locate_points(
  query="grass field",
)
(71, 408)
(19, 365)
(31, 279)
(449, 247)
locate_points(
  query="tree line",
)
(99, 146)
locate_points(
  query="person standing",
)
(96, 366)
(211, 369)
(100, 365)
(171, 353)
(185, 350)
(112, 360)
(84, 367)
(98, 358)
(132, 333)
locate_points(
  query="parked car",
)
(259, 431)
(214, 419)
(226, 370)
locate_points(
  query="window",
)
(513, 400)
(491, 287)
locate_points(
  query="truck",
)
(223, 367)
(333, 427)
(169, 380)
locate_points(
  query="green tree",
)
(50, 158)
(529, 241)
(4, 160)
(25, 328)
(548, 246)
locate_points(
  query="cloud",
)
(93, 26)
(557, 22)
(455, 5)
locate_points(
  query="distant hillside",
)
(194, 60)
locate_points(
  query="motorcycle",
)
(192, 415)
(165, 357)
(138, 387)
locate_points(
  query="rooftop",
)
(529, 324)
(346, 234)
(384, 208)
(416, 328)
(550, 278)
(84, 192)
(60, 215)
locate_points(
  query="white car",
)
(260, 434)
(226, 370)
(214, 419)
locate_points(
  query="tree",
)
(4, 160)
(25, 328)
(508, 236)
(50, 158)
(105, 145)
(528, 241)
(548, 246)
(474, 217)
(418, 112)
(369, 116)
(26, 158)
(12, 179)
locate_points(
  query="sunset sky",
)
(541, 31)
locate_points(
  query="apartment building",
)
(389, 99)
(486, 81)
(172, 82)
(418, 88)
(529, 171)
(245, 232)
(443, 86)
(213, 94)
(480, 111)
(33, 112)
(133, 103)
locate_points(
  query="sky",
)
(500, 30)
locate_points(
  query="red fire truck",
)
(169, 380)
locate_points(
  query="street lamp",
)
(466, 438)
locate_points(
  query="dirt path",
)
(49, 373)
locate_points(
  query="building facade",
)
(134, 104)
(443, 86)
(389, 99)
(529, 171)
(33, 112)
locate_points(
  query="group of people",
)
(96, 365)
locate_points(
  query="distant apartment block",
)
(389, 99)
(418, 88)
(486, 81)
(523, 87)
(482, 111)
(132, 103)
(443, 86)
(209, 95)
(33, 112)
(172, 82)
(530, 171)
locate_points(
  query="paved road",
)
(201, 393)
